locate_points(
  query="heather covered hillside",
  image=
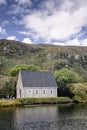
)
(45, 56)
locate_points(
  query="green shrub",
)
(31, 101)
(77, 99)
(64, 77)
(79, 92)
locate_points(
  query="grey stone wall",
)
(40, 92)
(19, 87)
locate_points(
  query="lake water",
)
(47, 117)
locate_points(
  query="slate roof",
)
(37, 79)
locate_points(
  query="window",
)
(36, 91)
(43, 91)
(29, 91)
(51, 91)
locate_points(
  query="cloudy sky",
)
(58, 22)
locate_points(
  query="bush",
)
(63, 78)
(79, 92)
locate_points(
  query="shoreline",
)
(34, 101)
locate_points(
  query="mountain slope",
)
(49, 57)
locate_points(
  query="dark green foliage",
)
(63, 78)
(9, 89)
(15, 70)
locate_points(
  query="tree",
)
(3, 80)
(10, 88)
(15, 70)
(78, 91)
(63, 78)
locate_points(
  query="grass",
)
(34, 101)
(9, 103)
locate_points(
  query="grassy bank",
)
(9, 103)
(34, 101)
(31, 101)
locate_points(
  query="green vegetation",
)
(45, 57)
(34, 101)
(79, 92)
(69, 65)
(31, 101)
(64, 77)
(9, 103)
(8, 88)
(15, 70)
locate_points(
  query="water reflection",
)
(57, 117)
(6, 119)
(36, 118)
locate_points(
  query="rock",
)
(49, 56)
(76, 57)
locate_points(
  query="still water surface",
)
(56, 117)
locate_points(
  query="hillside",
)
(46, 57)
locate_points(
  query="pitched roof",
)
(37, 79)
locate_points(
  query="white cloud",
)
(58, 43)
(24, 33)
(30, 34)
(11, 38)
(2, 30)
(84, 42)
(2, 2)
(27, 40)
(73, 5)
(74, 42)
(52, 23)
